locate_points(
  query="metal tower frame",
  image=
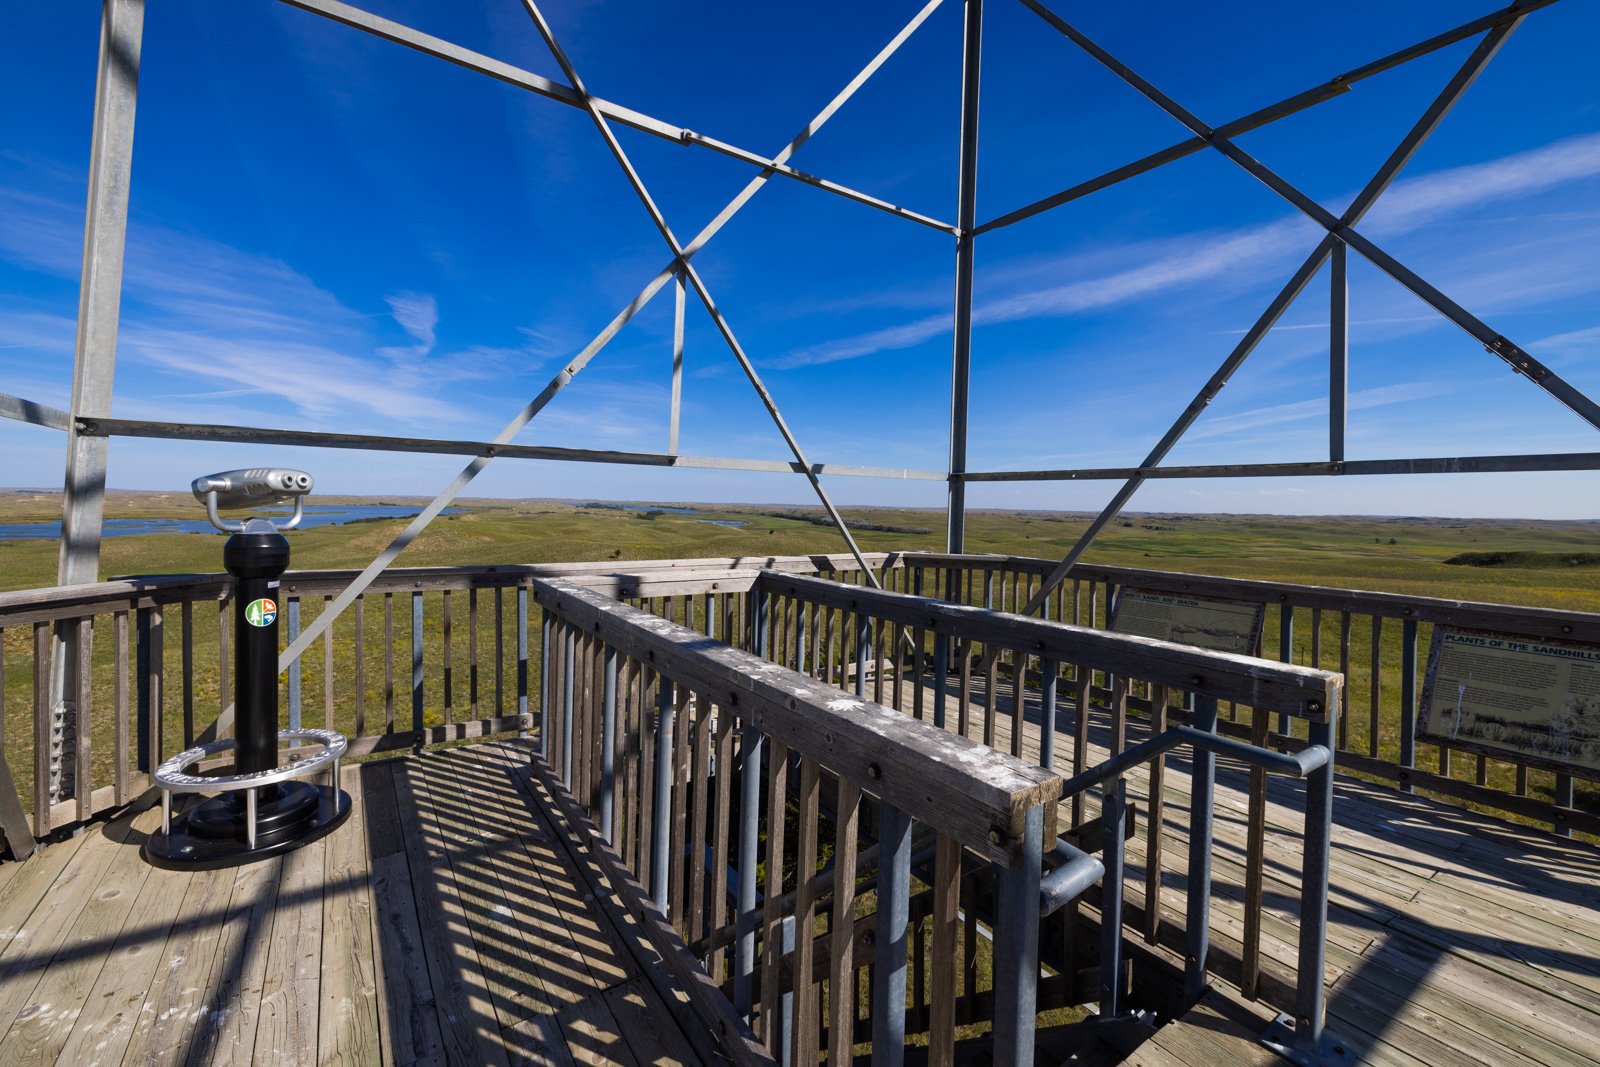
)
(88, 426)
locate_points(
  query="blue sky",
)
(331, 232)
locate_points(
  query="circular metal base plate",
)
(302, 820)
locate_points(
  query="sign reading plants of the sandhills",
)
(1505, 694)
(1205, 622)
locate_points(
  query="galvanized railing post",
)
(661, 806)
(758, 620)
(1112, 815)
(863, 648)
(889, 952)
(1197, 917)
(1016, 947)
(1048, 671)
(1285, 655)
(1314, 890)
(608, 744)
(744, 961)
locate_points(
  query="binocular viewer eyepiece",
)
(252, 487)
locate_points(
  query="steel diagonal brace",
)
(1364, 201)
(1519, 360)
(1338, 85)
(695, 281)
(561, 380)
(427, 44)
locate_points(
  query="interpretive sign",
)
(1504, 694)
(1205, 622)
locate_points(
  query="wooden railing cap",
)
(960, 787)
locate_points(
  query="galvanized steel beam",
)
(565, 376)
(467, 59)
(175, 431)
(966, 217)
(99, 304)
(1381, 180)
(1552, 461)
(693, 276)
(1335, 86)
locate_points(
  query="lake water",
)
(316, 515)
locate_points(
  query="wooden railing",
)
(160, 670)
(426, 655)
(777, 823)
(1378, 641)
(1013, 682)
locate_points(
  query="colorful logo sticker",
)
(261, 612)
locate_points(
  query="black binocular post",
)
(277, 813)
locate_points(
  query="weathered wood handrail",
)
(649, 722)
(1322, 625)
(1301, 691)
(997, 676)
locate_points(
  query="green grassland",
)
(1405, 555)
(1546, 564)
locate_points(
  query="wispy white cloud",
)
(1230, 258)
(1300, 410)
(418, 315)
(217, 321)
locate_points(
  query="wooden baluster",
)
(119, 698)
(719, 836)
(1344, 669)
(1377, 685)
(841, 924)
(680, 811)
(472, 652)
(449, 665)
(806, 999)
(43, 728)
(700, 779)
(361, 666)
(772, 921)
(1155, 829)
(186, 628)
(327, 672)
(388, 663)
(945, 919)
(82, 713)
(1255, 862)
(224, 655)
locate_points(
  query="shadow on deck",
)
(455, 921)
(449, 922)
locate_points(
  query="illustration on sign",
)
(1220, 625)
(261, 612)
(1505, 693)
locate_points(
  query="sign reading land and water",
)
(1205, 622)
(1504, 694)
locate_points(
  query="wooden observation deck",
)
(469, 914)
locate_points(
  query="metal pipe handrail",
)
(1078, 871)
(1290, 764)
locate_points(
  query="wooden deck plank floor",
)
(446, 923)
(1454, 937)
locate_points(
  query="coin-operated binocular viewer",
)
(270, 803)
